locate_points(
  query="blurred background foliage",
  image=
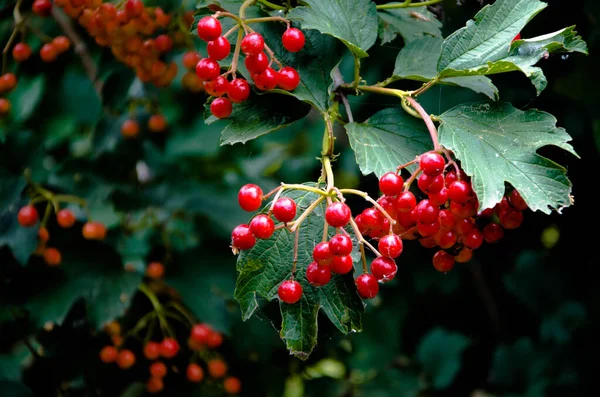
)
(521, 319)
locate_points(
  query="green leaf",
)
(497, 143)
(263, 268)
(518, 364)
(393, 382)
(440, 353)
(388, 139)
(410, 24)
(12, 362)
(259, 115)
(354, 22)
(77, 96)
(14, 389)
(558, 327)
(487, 38)
(417, 61)
(26, 97)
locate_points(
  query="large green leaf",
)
(487, 38)
(354, 22)
(263, 268)
(388, 139)
(410, 24)
(498, 143)
(417, 61)
(259, 115)
(440, 353)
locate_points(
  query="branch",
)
(428, 122)
(407, 3)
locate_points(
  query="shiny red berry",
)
(152, 350)
(293, 39)
(256, 63)
(27, 216)
(252, 43)
(221, 108)
(125, 359)
(284, 209)
(169, 348)
(510, 218)
(288, 78)
(209, 28)
(208, 69)
(109, 354)
(290, 291)
(391, 184)
(517, 201)
(338, 214)
(266, 80)
(384, 269)
(217, 87)
(42, 7)
(341, 264)
(459, 191)
(432, 163)
(65, 218)
(218, 49)
(250, 197)
(367, 286)
(322, 253)
(492, 232)
(406, 202)
(242, 237)
(262, 226)
(194, 373)
(158, 369)
(390, 246)
(200, 333)
(443, 261)
(318, 275)
(340, 244)
(21, 52)
(238, 90)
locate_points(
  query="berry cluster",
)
(258, 60)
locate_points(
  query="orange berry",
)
(192, 82)
(157, 123)
(232, 385)
(61, 43)
(158, 369)
(190, 59)
(154, 385)
(152, 350)
(65, 218)
(113, 328)
(217, 368)
(48, 52)
(126, 359)
(43, 234)
(155, 270)
(108, 354)
(94, 231)
(52, 256)
(130, 129)
(194, 373)
(4, 106)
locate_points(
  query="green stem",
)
(428, 122)
(245, 5)
(306, 213)
(328, 172)
(381, 90)
(229, 15)
(67, 198)
(370, 200)
(356, 72)
(177, 306)
(407, 3)
(236, 53)
(409, 110)
(424, 87)
(267, 19)
(158, 308)
(304, 187)
(271, 5)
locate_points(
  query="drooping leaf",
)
(263, 268)
(440, 354)
(354, 22)
(387, 139)
(410, 24)
(497, 143)
(417, 61)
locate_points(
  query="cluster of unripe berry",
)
(158, 355)
(28, 217)
(257, 61)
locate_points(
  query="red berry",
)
(232, 385)
(43, 234)
(284, 209)
(473, 239)
(318, 275)
(155, 270)
(440, 198)
(65, 218)
(388, 203)
(190, 59)
(288, 78)
(262, 226)
(158, 369)
(8, 81)
(390, 246)
(338, 214)
(217, 87)
(426, 212)
(290, 291)
(21, 52)
(242, 237)
(446, 238)
(52, 256)
(130, 129)
(511, 218)
(432, 163)
(372, 219)
(217, 368)
(459, 191)
(443, 261)
(219, 48)
(517, 37)
(221, 108)
(163, 43)
(406, 202)
(238, 90)
(48, 52)
(154, 385)
(200, 333)
(464, 255)
(157, 123)
(430, 184)
(250, 197)
(384, 269)
(428, 229)
(407, 219)
(152, 350)
(61, 43)
(252, 43)
(93, 231)
(256, 63)
(293, 39)
(446, 218)
(4, 106)
(125, 359)
(169, 348)
(340, 245)
(341, 264)
(215, 339)
(322, 254)
(266, 80)
(464, 226)
(391, 184)
(492, 232)
(517, 201)
(42, 7)
(27, 216)
(134, 8)
(367, 286)
(194, 373)
(208, 69)
(209, 28)
(108, 354)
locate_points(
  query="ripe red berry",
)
(169, 347)
(446, 238)
(318, 275)
(43, 234)
(217, 87)
(27, 216)
(157, 123)
(443, 261)
(42, 7)
(65, 218)
(152, 350)
(155, 270)
(209, 28)
(242, 237)
(340, 244)
(163, 43)
(94, 231)
(134, 8)
(21, 52)
(190, 59)
(200, 333)
(256, 63)
(232, 385)
(194, 373)
(252, 43)
(428, 229)
(510, 218)
(290, 291)
(125, 359)
(208, 69)
(250, 197)
(459, 191)
(430, 184)
(426, 212)
(440, 198)
(239, 90)
(517, 201)
(367, 286)
(384, 269)
(215, 339)
(288, 78)
(406, 202)
(341, 264)
(221, 108)
(432, 163)
(52, 256)
(390, 246)
(371, 219)
(464, 255)
(338, 214)
(48, 52)
(61, 43)
(108, 354)
(293, 39)
(4, 106)
(218, 49)
(492, 232)
(217, 368)
(391, 184)
(8, 81)
(158, 369)
(284, 209)
(130, 129)
(473, 239)
(154, 385)
(262, 226)
(266, 80)
(322, 254)
(464, 226)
